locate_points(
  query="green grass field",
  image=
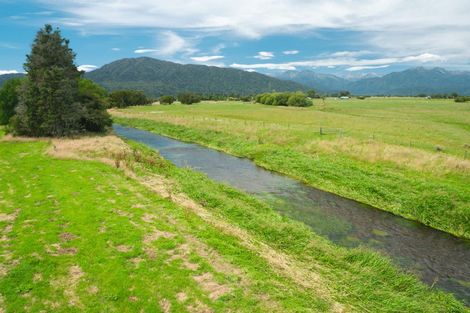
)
(403, 155)
(137, 234)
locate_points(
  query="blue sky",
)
(344, 37)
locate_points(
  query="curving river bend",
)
(436, 257)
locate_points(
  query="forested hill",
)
(156, 78)
(6, 77)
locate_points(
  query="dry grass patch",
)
(374, 151)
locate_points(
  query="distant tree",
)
(299, 100)
(125, 98)
(167, 99)
(344, 93)
(8, 99)
(189, 98)
(462, 99)
(311, 93)
(50, 103)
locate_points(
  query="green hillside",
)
(156, 78)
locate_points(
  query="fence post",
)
(321, 130)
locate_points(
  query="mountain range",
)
(156, 78)
(410, 82)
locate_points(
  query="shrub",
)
(299, 100)
(94, 98)
(167, 99)
(462, 99)
(8, 99)
(125, 98)
(189, 98)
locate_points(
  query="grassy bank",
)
(415, 182)
(82, 235)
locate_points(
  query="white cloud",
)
(264, 55)
(343, 61)
(170, 43)
(115, 49)
(360, 68)
(207, 58)
(87, 67)
(290, 52)
(142, 51)
(395, 27)
(3, 72)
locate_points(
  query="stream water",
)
(435, 257)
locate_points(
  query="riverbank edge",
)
(357, 273)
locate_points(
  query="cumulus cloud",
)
(207, 58)
(264, 55)
(116, 49)
(290, 52)
(3, 72)
(87, 67)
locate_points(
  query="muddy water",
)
(436, 257)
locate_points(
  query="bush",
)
(125, 98)
(462, 99)
(8, 99)
(167, 99)
(189, 98)
(94, 97)
(298, 99)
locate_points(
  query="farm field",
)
(409, 156)
(96, 224)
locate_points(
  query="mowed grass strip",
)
(360, 155)
(84, 236)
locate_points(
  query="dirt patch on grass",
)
(181, 297)
(211, 286)
(123, 248)
(69, 283)
(199, 307)
(67, 236)
(56, 249)
(165, 305)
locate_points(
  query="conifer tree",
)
(49, 99)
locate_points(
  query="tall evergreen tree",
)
(49, 103)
